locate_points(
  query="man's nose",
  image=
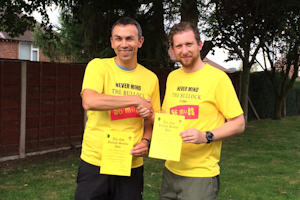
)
(124, 43)
(184, 49)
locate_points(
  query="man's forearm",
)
(148, 127)
(91, 100)
(232, 127)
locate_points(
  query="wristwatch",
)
(148, 141)
(209, 137)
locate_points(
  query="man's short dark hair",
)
(183, 26)
(127, 21)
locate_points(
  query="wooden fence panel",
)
(10, 110)
(49, 116)
(53, 102)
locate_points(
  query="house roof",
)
(26, 37)
(212, 63)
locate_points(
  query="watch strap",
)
(148, 141)
(209, 137)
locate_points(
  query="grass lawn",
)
(261, 164)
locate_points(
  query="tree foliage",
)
(16, 15)
(86, 28)
(243, 27)
(282, 52)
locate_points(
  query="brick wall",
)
(42, 57)
(9, 50)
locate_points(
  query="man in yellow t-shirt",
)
(120, 95)
(207, 99)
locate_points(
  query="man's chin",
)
(186, 63)
(125, 57)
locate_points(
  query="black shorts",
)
(91, 185)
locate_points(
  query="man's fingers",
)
(144, 112)
(139, 152)
(141, 149)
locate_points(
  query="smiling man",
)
(121, 95)
(207, 99)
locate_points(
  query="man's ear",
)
(200, 45)
(141, 41)
(171, 53)
(111, 42)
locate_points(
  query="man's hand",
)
(144, 108)
(193, 136)
(140, 149)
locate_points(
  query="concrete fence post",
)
(22, 151)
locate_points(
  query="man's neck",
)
(130, 64)
(196, 66)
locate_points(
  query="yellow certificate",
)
(166, 141)
(116, 157)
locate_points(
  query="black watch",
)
(209, 137)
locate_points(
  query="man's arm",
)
(92, 100)
(231, 127)
(141, 148)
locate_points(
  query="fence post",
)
(23, 109)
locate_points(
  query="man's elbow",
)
(85, 105)
(86, 102)
(241, 124)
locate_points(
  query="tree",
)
(154, 50)
(240, 27)
(86, 28)
(282, 51)
(16, 16)
(189, 11)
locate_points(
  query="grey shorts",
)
(188, 188)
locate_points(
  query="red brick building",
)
(21, 48)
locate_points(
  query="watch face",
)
(209, 136)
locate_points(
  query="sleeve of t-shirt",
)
(93, 76)
(155, 99)
(226, 99)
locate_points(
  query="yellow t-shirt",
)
(105, 77)
(206, 98)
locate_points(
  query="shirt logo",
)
(188, 111)
(124, 113)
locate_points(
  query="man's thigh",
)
(91, 185)
(130, 188)
(188, 188)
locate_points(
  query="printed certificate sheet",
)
(166, 141)
(116, 157)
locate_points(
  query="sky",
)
(220, 56)
(53, 13)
